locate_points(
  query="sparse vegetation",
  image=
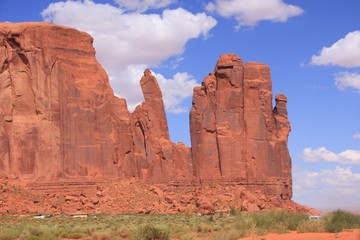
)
(311, 226)
(163, 227)
(149, 232)
(232, 211)
(340, 220)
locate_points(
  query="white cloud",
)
(356, 136)
(175, 90)
(127, 43)
(344, 80)
(143, 5)
(249, 13)
(322, 154)
(345, 52)
(328, 189)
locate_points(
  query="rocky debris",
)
(124, 196)
(65, 134)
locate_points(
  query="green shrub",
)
(266, 220)
(244, 225)
(272, 221)
(292, 220)
(149, 232)
(306, 226)
(232, 211)
(339, 220)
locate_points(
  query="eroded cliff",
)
(62, 130)
(236, 135)
(59, 117)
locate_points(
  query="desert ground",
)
(345, 235)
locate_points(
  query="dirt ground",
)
(346, 235)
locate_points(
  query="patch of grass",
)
(292, 220)
(244, 226)
(233, 211)
(150, 232)
(229, 235)
(313, 226)
(204, 228)
(279, 222)
(10, 233)
(179, 226)
(188, 236)
(72, 235)
(339, 220)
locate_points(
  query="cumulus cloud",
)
(127, 43)
(249, 13)
(356, 136)
(179, 87)
(344, 80)
(324, 155)
(328, 189)
(345, 52)
(143, 5)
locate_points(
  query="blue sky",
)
(312, 48)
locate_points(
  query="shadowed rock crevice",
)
(13, 42)
(4, 66)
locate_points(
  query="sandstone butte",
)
(68, 144)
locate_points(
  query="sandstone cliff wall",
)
(59, 119)
(236, 135)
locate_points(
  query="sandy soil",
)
(346, 235)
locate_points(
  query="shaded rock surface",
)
(67, 139)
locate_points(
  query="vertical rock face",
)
(235, 133)
(158, 158)
(59, 119)
(56, 104)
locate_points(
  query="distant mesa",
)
(61, 123)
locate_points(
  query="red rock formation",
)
(57, 104)
(158, 158)
(235, 134)
(59, 117)
(62, 127)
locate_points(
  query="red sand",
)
(346, 235)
